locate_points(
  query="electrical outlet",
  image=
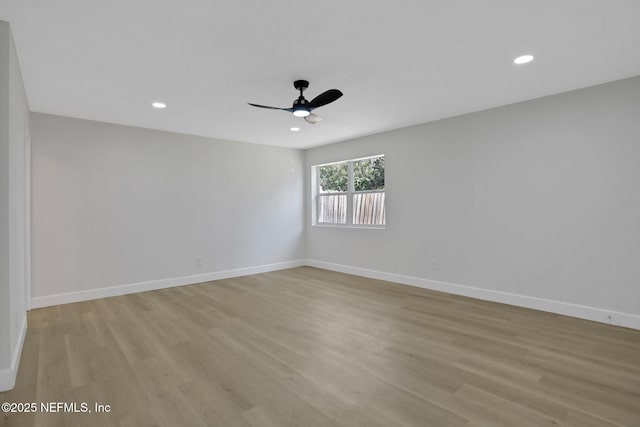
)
(434, 265)
(613, 320)
(199, 261)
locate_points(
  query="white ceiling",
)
(398, 63)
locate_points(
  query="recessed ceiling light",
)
(523, 59)
(295, 129)
(159, 105)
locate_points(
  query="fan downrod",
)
(301, 85)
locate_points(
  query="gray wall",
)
(539, 198)
(117, 205)
(14, 116)
(5, 319)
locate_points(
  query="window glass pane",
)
(368, 174)
(351, 193)
(333, 178)
(368, 208)
(332, 209)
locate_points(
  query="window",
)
(350, 192)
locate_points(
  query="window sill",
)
(357, 227)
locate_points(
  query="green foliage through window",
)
(368, 175)
(334, 178)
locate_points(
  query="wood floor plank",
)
(308, 347)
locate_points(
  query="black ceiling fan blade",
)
(271, 108)
(324, 98)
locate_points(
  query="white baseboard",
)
(112, 291)
(617, 318)
(559, 307)
(8, 375)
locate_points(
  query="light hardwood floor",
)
(307, 347)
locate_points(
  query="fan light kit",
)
(299, 111)
(523, 59)
(303, 108)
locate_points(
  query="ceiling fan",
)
(301, 107)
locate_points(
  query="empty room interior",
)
(293, 213)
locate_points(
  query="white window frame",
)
(316, 195)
